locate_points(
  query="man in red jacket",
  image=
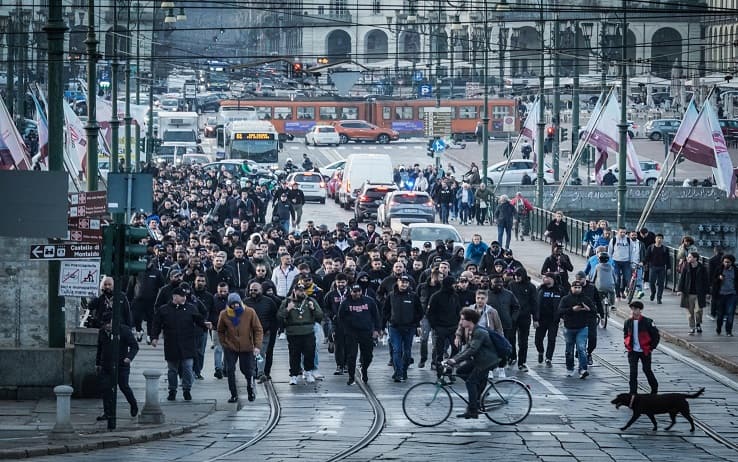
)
(641, 337)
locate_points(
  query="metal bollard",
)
(63, 426)
(151, 412)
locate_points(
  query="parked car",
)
(332, 167)
(310, 183)
(333, 184)
(322, 134)
(516, 170)
(650, 168)
(406, 207)
(369, 199)
(359, 130)
(659, 128)
(420, 233)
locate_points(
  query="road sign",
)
(79, 278)
(425, 91)
(471, 90)
(437, 121)
(439, 146)
(86, 204)
(83, 229)
(65, 251)
(418, 76)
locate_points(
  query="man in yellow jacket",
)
(241, 334)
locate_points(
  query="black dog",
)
(669, 403)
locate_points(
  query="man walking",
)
(443, 315)
(657, 263)
(127, 349)
(298, 313)
(241, 334)
(576, 309)
(640, 337)
(546, 318)
(266, 310)
(359, 317)
(180, 321)
(692, 288)
(403, 311)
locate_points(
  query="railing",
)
(540, 218)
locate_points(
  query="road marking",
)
(471, 434)
(555, 392)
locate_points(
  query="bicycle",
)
(631, 289)
(605, 299)
(504, 402)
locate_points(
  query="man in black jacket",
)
(443, 316)
(693, 287)
(98, 306)
(180, 321)
(425, 291)
(525, 293)
(206, 301)
(577, 311)
(546, 318)
(142, 290)
(359, 317)
(507, 307)
(559, 264)
(127, 349)
(220, 303)
(589, 290)
(403, 311)
(331, 303)
(266, 310)
(218, 273)
(241, 268)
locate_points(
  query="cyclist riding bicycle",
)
(604, 278)
(475, 361)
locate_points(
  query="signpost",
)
(65, 252)
(79, 279)
(425, 91)
(87, 204)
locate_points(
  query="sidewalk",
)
(669, 317)
(25, 426)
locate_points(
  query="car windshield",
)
(411, 198)
(377, 193)
(185, 136)
(326, 130)
(308, 178)
(432, 234)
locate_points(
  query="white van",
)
(360, 168)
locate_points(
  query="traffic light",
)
(296, 70)
(322, 60)
(134, 252)
(107, 250)
(550, 131)
(564, 134)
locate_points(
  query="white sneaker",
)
(282, 336)
(491, 374)
(309, 377)
(570, 373)
(317, 375)
(501, 373)
(293, 380)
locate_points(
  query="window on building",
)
(321, 9)
(467, 112)
(306, 113)
(328, 113)
(339, 7)
(283, 113)
(377, 6)
(404, 113)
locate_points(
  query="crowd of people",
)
(224, 271)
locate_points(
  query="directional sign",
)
(65, 252)
(418, 76)
(439, 146)
(425, 91)
(86, 204)
(79, 278)
(83, 229)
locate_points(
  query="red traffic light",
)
(550, 131)
(296, 67)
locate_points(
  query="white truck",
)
(180, 127)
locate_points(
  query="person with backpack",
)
(603, 278)
(625, 258)
(640, 337)
(526, 150)
(475, 361)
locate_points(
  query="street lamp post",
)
(455, 28)
(556, 116)
(502, 43)
(92, 128)
(575, 99)
(541, 115)
(623, 151)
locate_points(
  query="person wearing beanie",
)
(640, 337)
(443, 315)
(241, 334)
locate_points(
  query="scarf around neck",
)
(235, 315)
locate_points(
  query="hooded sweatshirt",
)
(444, 306)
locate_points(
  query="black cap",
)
(180, 291)
(404, 277)
(427, 244)
(356, 288)
(497, 243)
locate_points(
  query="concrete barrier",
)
(63, 426)
(151, 412)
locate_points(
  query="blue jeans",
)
(501, 230)
(444, 213)
(622, 275)
(402, 344)
(657, 279)
(465, 212)
(188, 376)
(578, 337)
(285, 225)
(726, 312)
(217, 353)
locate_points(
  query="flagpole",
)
(648, 208)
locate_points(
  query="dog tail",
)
(697, 394)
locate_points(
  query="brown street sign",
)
(85, 204)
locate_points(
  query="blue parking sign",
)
(425, 91)
(418, 76)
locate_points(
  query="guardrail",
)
(540, 218)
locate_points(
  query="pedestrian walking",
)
(693, 287)
(576, 309)
(504, 215)
(266, 310)
(640, 337)
(298, 313)
(546, 317)
(127, 349)
(403, 311)
(657, 261)
(359, 317)
(443, 315)
(241, 335)
(725, 284)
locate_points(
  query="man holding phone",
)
(577, 310)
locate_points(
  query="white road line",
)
(555, 392)
(472, 434)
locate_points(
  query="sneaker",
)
(187, 395)
(134, 409)
(659, 302)
(390, 364)
(364, 376)
(717, 331)
(233, 399)
(282, 336)
(218, 374)
(548, 363)
(583, 374)
(199, 376)
(512, 362)
(404, 377)
(589, 360)
(293, 380)
(570, 373)
(523, 368)
(350, 381)
(699, 329)
(339, 371)
(501, 373)
(139, 336)
(252, 395)
(263, 378)
(729, 334)
(396, 379)
(711, 317)
(317, 375)
(640, 295)
(491, 374)
(540, 358)
(691, 332)
(309, 377)
(613, 308)
(172, 395)
(422, 364)
(653, 296)
(148, 340)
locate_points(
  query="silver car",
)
(406, 207)
(312, 185)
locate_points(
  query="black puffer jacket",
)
(444, 306)
(402, 309)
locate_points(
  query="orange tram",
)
(296, 117)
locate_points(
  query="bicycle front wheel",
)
(427, 404)
(605, 315)
(506, 402)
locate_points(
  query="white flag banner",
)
(690, 117)
(605, 136)
(530, 127)
(13, 152)
(76, 142)
(723, 170)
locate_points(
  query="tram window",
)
(328, 113)
(499, 112)
(421, 112)
(264, 112)
(467, 112)
(283, 113)
(386, 113)
(349, 113)
(306, 113)
(404, 113)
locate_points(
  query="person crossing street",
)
(359, 317)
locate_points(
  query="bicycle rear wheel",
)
(605, 315)
(506, 402)
(631, 289)
(427, 404)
